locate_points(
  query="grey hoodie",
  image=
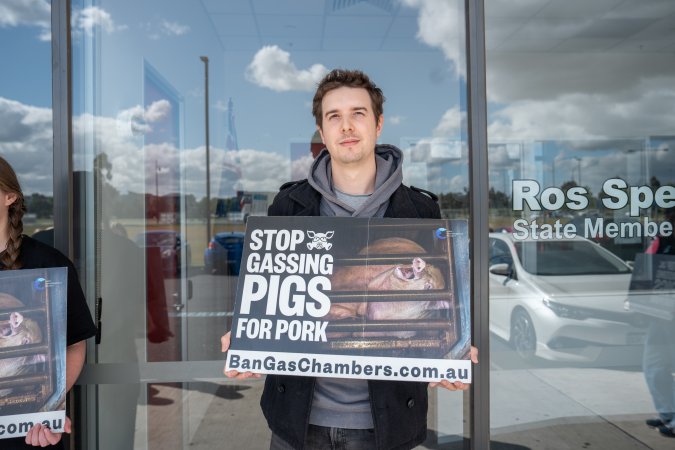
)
(338, 402)
(388, 178)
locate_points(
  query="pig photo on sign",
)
(418, 275)
(319, 240)
(18, 330)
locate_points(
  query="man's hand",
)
(41, 436)
(457, 385)
(224, 346)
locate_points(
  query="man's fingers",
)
(225, 345)
(444, 384)
(52, 438)
(241, 375)
(225, 342)
(35, 439)
(456, 386)
(42, 437)
(30, 434)
(474, 355)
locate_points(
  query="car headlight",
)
(566, 311)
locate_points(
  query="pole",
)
(578, 168)
(156, 202)
(205, 59)
(156, 182)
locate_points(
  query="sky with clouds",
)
(272, 68)
(564, 110)
(596, 104)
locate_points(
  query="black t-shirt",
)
(36, 255)
(80, 326)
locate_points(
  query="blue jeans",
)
(323, 438)
(659, 364)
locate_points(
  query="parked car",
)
(173, 247)
(223, 254)
(559, 299)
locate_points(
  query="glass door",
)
(188, 116)
(580, 160)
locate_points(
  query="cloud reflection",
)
(93, 17)
(441, 25)
(272, 68)
(14, 13)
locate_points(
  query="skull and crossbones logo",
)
(319, 240)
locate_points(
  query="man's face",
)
(349, 127)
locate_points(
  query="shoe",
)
(654, 423)
(666, 431)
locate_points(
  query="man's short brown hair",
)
(338, 78)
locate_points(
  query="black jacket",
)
(399, 408)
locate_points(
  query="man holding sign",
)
(352, 177)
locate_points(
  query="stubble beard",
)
(351, 156)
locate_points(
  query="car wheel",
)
(523, 337)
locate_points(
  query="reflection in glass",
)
(164, 268)
(26, 110)
(548, 298)
(574, 105)
(565, 258)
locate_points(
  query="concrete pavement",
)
(530, 410)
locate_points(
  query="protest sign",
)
(32, 350)
(652, 286)
(353, 298)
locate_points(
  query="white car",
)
(559, 299)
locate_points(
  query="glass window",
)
(498, 249)
(580, 165)
(26, 110)
(564, 258)
(159, 155)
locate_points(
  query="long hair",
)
(9, 183)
